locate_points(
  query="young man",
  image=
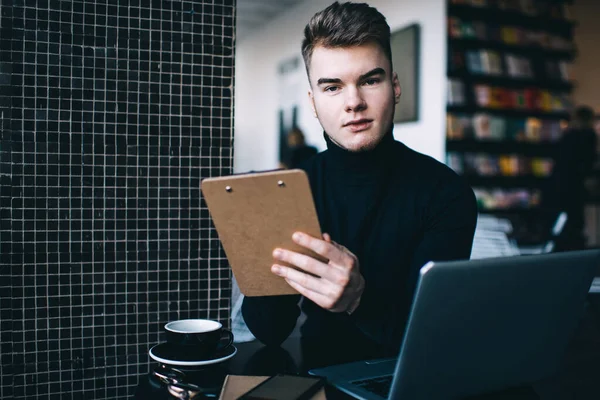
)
(386, 210)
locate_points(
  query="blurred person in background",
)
(299, 150)
(575, 158)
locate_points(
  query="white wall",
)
(256, 82)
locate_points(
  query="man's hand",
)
(341, 285)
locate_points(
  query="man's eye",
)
(370, 82)
(331, 88)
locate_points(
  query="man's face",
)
(353, 94)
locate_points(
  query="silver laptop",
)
(479, 326)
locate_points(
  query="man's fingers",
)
(305, 263)
(328, 249)
(319, 299)
(307, 281)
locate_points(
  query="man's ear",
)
(311, 100)
(397, 88)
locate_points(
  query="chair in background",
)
(492, 238)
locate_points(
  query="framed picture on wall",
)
(405, 45)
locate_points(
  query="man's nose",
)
(354, 100)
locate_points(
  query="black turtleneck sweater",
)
(395, 209)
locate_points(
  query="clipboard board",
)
(256, 212)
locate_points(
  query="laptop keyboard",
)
(380, 385)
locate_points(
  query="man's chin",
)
(366, 144)
(358, 142)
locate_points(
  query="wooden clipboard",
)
(256, 212)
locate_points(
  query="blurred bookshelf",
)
(542, 148)
(470, 43)
(540, 15)
(522, 83)
(509, 96)
(506, 181)
(509, 112)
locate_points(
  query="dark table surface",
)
(577, 379)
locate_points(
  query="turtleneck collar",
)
(370, 162)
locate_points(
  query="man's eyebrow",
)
(322, 81)
(374, 71)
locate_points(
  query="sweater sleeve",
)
(450, 221)
(449, 226)
(271, 319)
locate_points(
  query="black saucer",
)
(171, 354)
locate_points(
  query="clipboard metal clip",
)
(229, 189)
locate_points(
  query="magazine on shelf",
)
(500, 98)
(454, 27)
(518, 99)
(533, 129)
(508, 164)
(531, 98)
(482, 95)
(495, 63)
(545, 101)
(541, 167)
(551, 130)
(485, 165)
(455, 161)
(565, 70)
(474, 64)
(485, 61)
(515, 129)
(481, 126)
(518, 66)
(458, 126)
(537, 38)
(497, 128)
(468, 30)
(489, 127)
(510, 35)
(456, 92)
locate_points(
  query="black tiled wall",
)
(111, 112)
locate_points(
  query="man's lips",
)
(359, 124)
